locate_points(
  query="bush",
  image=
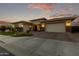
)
(2, 28)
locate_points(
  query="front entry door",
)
(35, 28)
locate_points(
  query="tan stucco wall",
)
(57, 27)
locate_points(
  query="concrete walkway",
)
(32, 46)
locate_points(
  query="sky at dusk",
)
(28, 11)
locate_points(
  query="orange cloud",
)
(42, 6)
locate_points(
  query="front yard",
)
(7, 33)
(15, 34)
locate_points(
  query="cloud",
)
(42, 6)
(66, 10)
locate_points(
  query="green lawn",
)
(16, 34)
(7, 33)
(20, 34)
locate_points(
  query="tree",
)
(3, 28)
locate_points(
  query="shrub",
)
(3, 28)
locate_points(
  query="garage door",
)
(58, 27)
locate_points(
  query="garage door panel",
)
(60, 27)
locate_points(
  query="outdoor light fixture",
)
(68, 23)
(43, 25)
(20, 25)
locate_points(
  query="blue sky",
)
(28, 11)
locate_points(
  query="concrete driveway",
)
(32, 46)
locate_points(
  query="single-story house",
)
(63, 24)
(24, 25)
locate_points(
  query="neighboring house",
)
(38, 26)
(4, 26)
(23, 24)
(63, 24)
(4, 23)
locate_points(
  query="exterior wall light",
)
(68, 23)
(43, 25)
(20, 25)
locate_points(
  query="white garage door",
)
(58, 27)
